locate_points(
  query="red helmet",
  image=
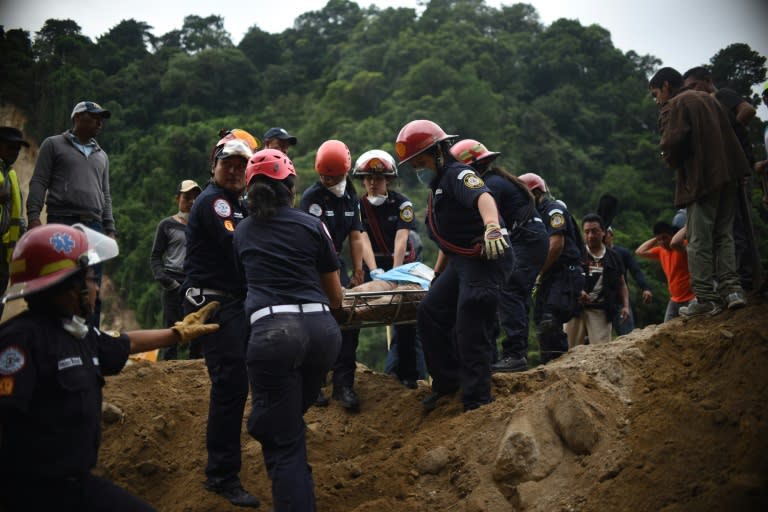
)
(272, 163)
(333, 158)
(375, 162)
(47, 255)
(533, 181)
(233, 134)
(418, 136)
(471, 151)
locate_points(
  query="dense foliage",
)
(559, 100)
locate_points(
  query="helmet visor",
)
(100, 247)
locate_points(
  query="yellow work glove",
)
(493, 241)
(193, 325)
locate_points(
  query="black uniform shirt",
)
(210, 260)
(454, 206)
(395, 213)
(340, 214)
(514, 208)
(282, 259)
(559, 220)
(50, 395)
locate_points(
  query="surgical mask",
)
(425, 175)
(339, 188)
(377, 200)
(76, 326)
(183, 216)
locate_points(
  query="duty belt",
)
(192, 293)
(314, 307)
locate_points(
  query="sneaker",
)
(430, 402)
(321, 400)
(736, 300)
(510, 364)
(347, 397)
(234, 493)
(696, 308)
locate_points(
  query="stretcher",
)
(373, 308)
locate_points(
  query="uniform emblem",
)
(556, 221)
(406, 214)
(473, 181)
(222, 208)
(316, 210)
(12, 360)
(228, 225)
(6, 386)
(62, 242)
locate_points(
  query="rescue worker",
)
(291, 269)
(334, 201)
(528, 240)
(561, 278)
(211, 275)
(11, 204)
(388, 219)
(52, 367)
(457, 316)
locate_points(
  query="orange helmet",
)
(47, 255)
(471, 151)
(533, 182)
(418, 136)
(235, 133)
(333, 158)
(272, 163)
(375, 162)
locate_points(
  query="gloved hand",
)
(493, 241)
(376, 272)
(193, 325)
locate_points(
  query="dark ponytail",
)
(266, 195)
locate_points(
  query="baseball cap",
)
(234, 147)
(11, 134)
(280, 133)
(90, 107)
(187, 185)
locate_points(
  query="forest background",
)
(558, 100)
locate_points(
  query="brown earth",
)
(668, 418)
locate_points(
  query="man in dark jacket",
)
(698, 142)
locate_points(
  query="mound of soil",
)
(667, 418)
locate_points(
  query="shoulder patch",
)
(315, 209)
(6, 385)
(406, 214)
(229, 225)
(473, 181)
(557, 220)
(12, 360)
(222, 208)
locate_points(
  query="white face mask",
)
(377, 200)
(183, 216)
(76, 326)
(339, 188)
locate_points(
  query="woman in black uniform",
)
(457, 317)
(52, 368)
(292, 273)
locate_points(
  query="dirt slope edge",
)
(670, 417)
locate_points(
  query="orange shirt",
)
(675, 267)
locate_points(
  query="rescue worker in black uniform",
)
(457, 317)
(52, 368)
(529, 241)
(334, 201)
(291, 269)
(388, 219)
(211, 275)
(561, 278)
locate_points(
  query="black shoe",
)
(235, 494)
(321, 400)
(410, 384)
(346, 397)
(430, 402)
(510, 364)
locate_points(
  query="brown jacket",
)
(697, 140)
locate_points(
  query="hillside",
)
(668, 418)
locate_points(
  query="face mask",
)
(339, 188)
(377, 200)
(76, 326)
(425, 175)
(183, 216)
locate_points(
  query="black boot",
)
(347, 397)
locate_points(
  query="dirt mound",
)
(670, 417)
